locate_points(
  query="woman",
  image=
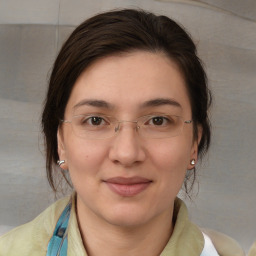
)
(126, 115)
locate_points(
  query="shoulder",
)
(225, 245)
(252, 251)
(32, 238)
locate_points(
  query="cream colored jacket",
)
(252, 251)
(32, 238)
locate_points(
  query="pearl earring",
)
(193, 161)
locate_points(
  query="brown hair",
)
(117, 32)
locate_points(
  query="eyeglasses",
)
(95, 126)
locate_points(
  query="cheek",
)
(84, 156)
(175, 153)
(171, 160)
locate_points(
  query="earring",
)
(193, 161)
(60, 162)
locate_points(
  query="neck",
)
(100, 237)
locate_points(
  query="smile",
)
(128, 187)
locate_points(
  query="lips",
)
(128, 187)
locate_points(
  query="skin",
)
(126, 82)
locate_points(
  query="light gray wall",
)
(31, 33)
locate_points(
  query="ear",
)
(61, 149)
(194, 148)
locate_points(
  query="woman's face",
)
(128, 180)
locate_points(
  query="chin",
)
(127, 217)
(126, 222)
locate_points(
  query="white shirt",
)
(209, 249)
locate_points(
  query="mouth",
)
(128, 187)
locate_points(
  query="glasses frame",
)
(118, 122)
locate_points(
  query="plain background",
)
(31, 33)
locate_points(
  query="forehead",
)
(129, 80)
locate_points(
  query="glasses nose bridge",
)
(119, 123)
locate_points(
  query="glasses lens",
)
(94, 127)
(162, 126)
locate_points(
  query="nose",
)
(127, 148)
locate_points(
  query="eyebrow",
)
(160, 102)
(94, 103)
(150, 103)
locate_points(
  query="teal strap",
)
(58, 244)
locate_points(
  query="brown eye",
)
(158, 120)
(95, 120)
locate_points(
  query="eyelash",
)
(104, 119)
